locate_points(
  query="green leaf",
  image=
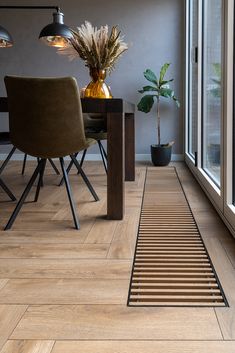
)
(166, 86)
(146, 103)
(163, 71)
(169, 93)
(176, 101)
(147, 89)
(150, 76)
(217, 69)
(166, 92)
(162, 83)
(218, 82)
(216, 92)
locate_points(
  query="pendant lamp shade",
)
(6, 40)
(56, 34)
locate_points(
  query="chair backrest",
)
(45, 116)
(95, 121)
(5, 138)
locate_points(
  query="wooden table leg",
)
(130, 147)
(115, 178)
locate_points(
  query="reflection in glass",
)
(212, 103)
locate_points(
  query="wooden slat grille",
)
(171, 265)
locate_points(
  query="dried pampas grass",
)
(95, 46)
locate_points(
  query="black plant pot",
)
(161, 155)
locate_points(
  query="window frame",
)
(229, 131)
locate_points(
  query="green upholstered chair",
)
(96, 128)
(46, 121)
(5, 139)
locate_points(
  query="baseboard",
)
(93, 157)
(147, 157)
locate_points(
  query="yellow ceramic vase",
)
(97, 88)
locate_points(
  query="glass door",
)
(212, 89)
(214, 107)
(204, 84)
(229, 131)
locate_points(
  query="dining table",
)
(120, 147)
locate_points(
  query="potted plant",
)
(160, 153)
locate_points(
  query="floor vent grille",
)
(171, 265)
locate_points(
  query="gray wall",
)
(154, 30)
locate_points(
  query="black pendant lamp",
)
(56, 34)
(6, 40)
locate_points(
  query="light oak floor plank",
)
(101, 231)
(226, 272)
(124, 239)
(22, 346)
(229, 246)
(65, 236)
(64, 268)
(143, 346)
(101, 322)
(3, 282)
(9, 317)
(50, 251)
(64, 291)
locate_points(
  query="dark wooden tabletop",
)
(93, 105)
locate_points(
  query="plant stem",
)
(158, 121)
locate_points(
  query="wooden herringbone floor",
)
(63, 291)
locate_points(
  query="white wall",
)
(154, 30)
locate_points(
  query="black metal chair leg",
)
(68, 170)
(54, 166)
(40, 180)
(84, 177)
(103, 149)
(71, 164)
(69, 192)
(23, 196)
(83, 158)
(103, 158)
(7, 191)
(24, 163)
(7, 159)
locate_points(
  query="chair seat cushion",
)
(96, 133)
(5, 138)
(90, 142)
